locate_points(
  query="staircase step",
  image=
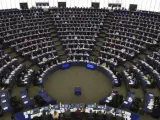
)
(99, 43)
(48, 21)
(20, 59)
(141, 56)
(108, 20)
(55, 39)
(127, 64)
(61, 52)
(35, 67)
(49, 25)
(100, 39)
(63, 57)
(54, 34)
(134, 61)
(93, 58)
(106, 26)
(120, 68)
(95, 53)
(57, 43)
(28, 64)
(103, 31)
(147, 52)
(97, 48)
(13, 55)
(102, 34)
(59, 47)
(8, 50)
(53, 30)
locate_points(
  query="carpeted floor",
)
(94, 84)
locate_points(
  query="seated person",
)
(78, 113)
(67, 114)
(109, 117)
(90, 115)
(100, 116)
(36, 118)
(148, 76)
(55, 115)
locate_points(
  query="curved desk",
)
(88, 64)
(60, 108)
(27, 102)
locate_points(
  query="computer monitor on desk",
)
(46, 111)
(90, 66)
(57, 107)
(46, 108)
(66, 106)
(65, 66)
(91, 106)
(36, 110)
(100, 107)
(77, 105)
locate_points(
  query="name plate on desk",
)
(90, 66)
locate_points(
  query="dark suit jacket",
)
(90, 115)
(67, 114)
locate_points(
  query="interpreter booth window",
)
(23, 5)
(133, 7)
(61, 4)
(95, 5)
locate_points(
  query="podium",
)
(77, 91)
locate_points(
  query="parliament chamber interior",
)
(79, 60)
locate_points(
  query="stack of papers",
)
(25, 102)
(3, 101)
(107, 101)
(125, 102)
(23, 96)
(130, 99)
(5, 108)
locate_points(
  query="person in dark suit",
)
(109, 117)
(67, 114)
(100, 116)
(90, 115)
(37, 118)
